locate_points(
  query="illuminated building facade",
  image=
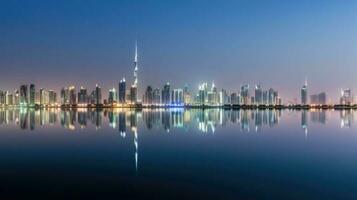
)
(346, 97)
(304, 94)
(122, 91)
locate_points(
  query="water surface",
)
(178, 153)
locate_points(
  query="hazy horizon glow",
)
(275, 43)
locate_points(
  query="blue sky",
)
(277, 43)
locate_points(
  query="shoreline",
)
(228, 106)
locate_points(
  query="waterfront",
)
(212, 153)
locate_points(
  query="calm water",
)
(177, 153)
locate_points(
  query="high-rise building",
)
(133, 94)
(16, 98)
(177, 97)
(214, 91)
(276, 99)
(234, 99)
(37, 98)
(244, 94)
(72, 95)
(265, 97)
(186, 95)
(2, 98)
(23, 95)
(223, 97)
(134, 87)
(322, 98)
(318, 99)
(63, 96)
(136, 65)
(82, 96)
(258, 95)
(98, 95)
(346, 97)
(270, 96)
(166, 94)
(52, 97)
(91, 98)
(42, 96)
(148, 96)
(156, 96)
(202, 97)
(112, 96)
(211, 98)
(32, 95)
(304, 94)
(122, 91)
(9, 99)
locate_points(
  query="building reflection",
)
(205, 121)
(347, 117)
(304, 124)
(318, 116)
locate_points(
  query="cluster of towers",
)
(346, 97)
(122, 97)
(27, 95)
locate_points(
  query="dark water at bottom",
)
(183, 154)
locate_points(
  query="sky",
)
(276, 43)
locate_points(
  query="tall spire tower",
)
(136, 65)
(304, 93)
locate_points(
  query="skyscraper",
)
(244, 93)
(223, 97)
(98, 95)
(202, 96)
(177, 97)
(112, 96)
(258, 94)
(9, 99)
(72, 95)
(346, 97)
(166, 94)
(234, 99)
(23, 95)
(32, 95)
(122, 91)
(318, 98)
(82, 96)
(272, 96)
(63, 96)
(133, 94)
(148, 97)
(42, 96)
(304, 93)
(186, 95)
(52, 97)
(156, 96)
(16, 97)
(136, 65)
(2, 98)
(134, 87)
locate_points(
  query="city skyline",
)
(27, 95)
(178, 99)
(64, 43)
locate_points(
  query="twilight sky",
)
(84, 42)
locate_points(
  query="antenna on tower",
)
(306, 80)
(136, 64)
(136, 51)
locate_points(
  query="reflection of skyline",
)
(347, 117)
(314, 116)
(206, 121)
